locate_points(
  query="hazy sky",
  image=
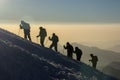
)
(70, 11)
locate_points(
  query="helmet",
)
(68, 43)
(76, 48)
(91, 54)
(53, 33)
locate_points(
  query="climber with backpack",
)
(55, 41)
(78, 53)
(69, 49)
(26, 27)
(94, 60)
(42, 35)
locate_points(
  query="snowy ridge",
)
(23, 60)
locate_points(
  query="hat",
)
(40, 27)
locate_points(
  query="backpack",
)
(96, 58)
(44, 32)
(56, 38)
(80, 51)
(25, 26)
(71, 47)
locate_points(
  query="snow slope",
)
(24, 60)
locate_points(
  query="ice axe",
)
(19, 30)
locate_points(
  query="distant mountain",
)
(105, 57)
(115, 48)
(113, 69)
(24, 60)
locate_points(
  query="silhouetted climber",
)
(69, 48)
(94, 60)
(78, 53)
(42, 35)
(26, 27)
(55, 41)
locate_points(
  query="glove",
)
(49, 38)
(37, 36)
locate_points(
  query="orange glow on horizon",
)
(88, 33)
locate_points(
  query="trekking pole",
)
(19, 32)
(89, 63)
(37, 39)
(46, 42)
(63, 50)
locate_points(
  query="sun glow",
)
(101, 35)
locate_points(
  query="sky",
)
(57, 11)
(91, 22)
